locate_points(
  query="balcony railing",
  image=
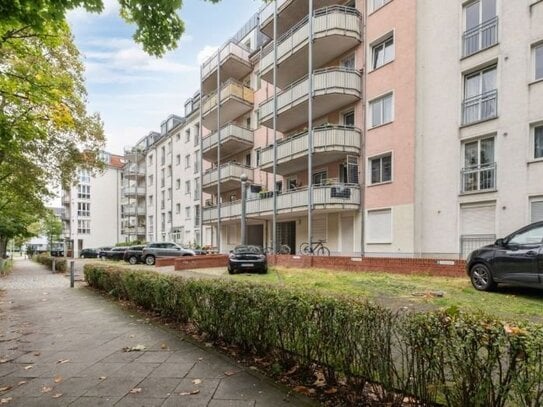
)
(325, 138)
(133, 191)
(338, 196)
(133, 210)
(231, 89)
(239, 139)
(229, 50)
(134, 170)
(267, 11)
(480, 107)
(229, 171)
(481, 37)
(327, 21)
(479, 178)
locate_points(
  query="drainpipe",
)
(362, 182)
(274, 220)
(219, 248)
(310, 130)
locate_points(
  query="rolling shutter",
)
(319, 228)
(478, 220)
(379, 227)
(536, 211)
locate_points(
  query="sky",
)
(134, 92)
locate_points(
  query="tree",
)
(159, 27)
(51, 227)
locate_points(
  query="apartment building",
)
(424, 123)
(92, 207)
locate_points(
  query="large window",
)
(479, 171)
(538, 141)
(83, 226)
(383, 53)
(83, 191)
(381, 110)
(83, 209)
(481, 23)
(379, 226)
(381, 169)
(84, 177)
(538, 62)
(480, 96)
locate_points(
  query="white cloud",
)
(111, 7)
(205, 53)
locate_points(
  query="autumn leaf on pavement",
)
(230, 373)
(304, 390)
(58, 379)
(135, 390)
(28, 367)
(196, 381)
(58, 395)
(5, 388)
(46, 389)
(62, 361)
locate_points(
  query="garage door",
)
(478, 220)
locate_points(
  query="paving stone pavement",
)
(62, 346)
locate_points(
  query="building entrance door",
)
(255, 235)
(286, 234)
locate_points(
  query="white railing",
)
(480, 107)
(131, 191)
(228, 170)
(481, 37)
(479, 178)
(231, 88)
(133, 210)
(227, 50)
(133, 169)
(326, 21)
(326, 138)
(228, 132)
(324, 81)
(339, 195)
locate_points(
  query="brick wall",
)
(201, 262)
(164, 261)
(434, 267)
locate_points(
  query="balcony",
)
(131, 230)
(236, 100)
(132, 210)
(479, 108)
(330, 144)
(235, 64)
(66, 199)
(133, 171)
(333, 88)
(329, 198)
(481, 37)
(289, 12)
(133, 191)
(230, 173)
(234, 139)
(336, 30)
(479, 178)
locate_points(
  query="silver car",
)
(163, 249)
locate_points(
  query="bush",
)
(444, 357)
(47, 260)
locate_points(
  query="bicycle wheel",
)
(284, 249)
(305, 248)
(323, 251)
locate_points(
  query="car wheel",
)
(231, 271)
(263, 271)
(481, 278)
(133, 260)
(150, 260)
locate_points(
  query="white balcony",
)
(131, 210)
(235, 64)
(330, 144)
(236, 100)
(480, 108)
(333, 88)
(133, 191)
(480, 37)
(133, 171)
(479, 178)
(134, 231)
(230, 173)
(336, 29)
(234, 139)
(326, 198)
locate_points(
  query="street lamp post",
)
(243, 178)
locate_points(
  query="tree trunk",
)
(3, 246)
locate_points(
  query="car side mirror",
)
(500, 242)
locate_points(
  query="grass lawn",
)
(397, 290)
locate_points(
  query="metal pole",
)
(201, 172)
(243, 179)
(219, 150)
(274, 218)
(72, 273)
(310, 130)
(53, 265)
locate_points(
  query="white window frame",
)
(377, 99)
(380, 157)
(187, 187)
(374, 7)
(535, 47)
(187, 212)
(533, 127)
(383, 242)
(381, 43)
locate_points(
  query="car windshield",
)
(247, 249)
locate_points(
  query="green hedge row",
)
(447, 357)
(47, 260)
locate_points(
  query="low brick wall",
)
(434, 267)
(201, 262)
(165, 261)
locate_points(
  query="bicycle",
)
(281, 249)
(315, 248)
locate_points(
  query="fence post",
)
(53, 265)
(72, 275)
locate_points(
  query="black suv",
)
(516, 259)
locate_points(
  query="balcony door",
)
(481, 29)
(479, 165)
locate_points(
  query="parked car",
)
(163, 249)
(116, 253)
(247, 258)
(516, 259)
(133, 254)
(89, 254)
(102, 250)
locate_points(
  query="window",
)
(480, 96)
(169, 145)
(83, 226)
(84, 177)
(169, 171)
(187, 135)
(178, 159)
(379, 226)
(196, 189)
(292, 183)
(162, 156)
(196, 162)
(177, 208)
(481, 26)
(538, 142)
(169, 216)
(150, 200)
(162, 178)
(479, 171)
(248, 122)
(187, 212)
(376, 4)
(248, 160)
(187, 161)
(178, 137)
(83, 191)
(348, 119)
(529, 237)
(348, 62)
(150, 159)
(150, 180)
(151, 226)
(257, 157)
(169, 194)
(177, 183)
(196, 215)
(196, 134)
(319, 178)
(187, 187)
(381, 169)
(538, 62)
(383, 53)
(163, 222)
(381, 111)
(83, 209)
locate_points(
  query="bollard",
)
(53, 265)
(72, 275)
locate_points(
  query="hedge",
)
(47, 260)
(443, 357)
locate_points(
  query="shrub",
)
(5, 267)
(131, 243)
(443, 357)
(47, 260)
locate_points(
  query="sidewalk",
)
(62, 346)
